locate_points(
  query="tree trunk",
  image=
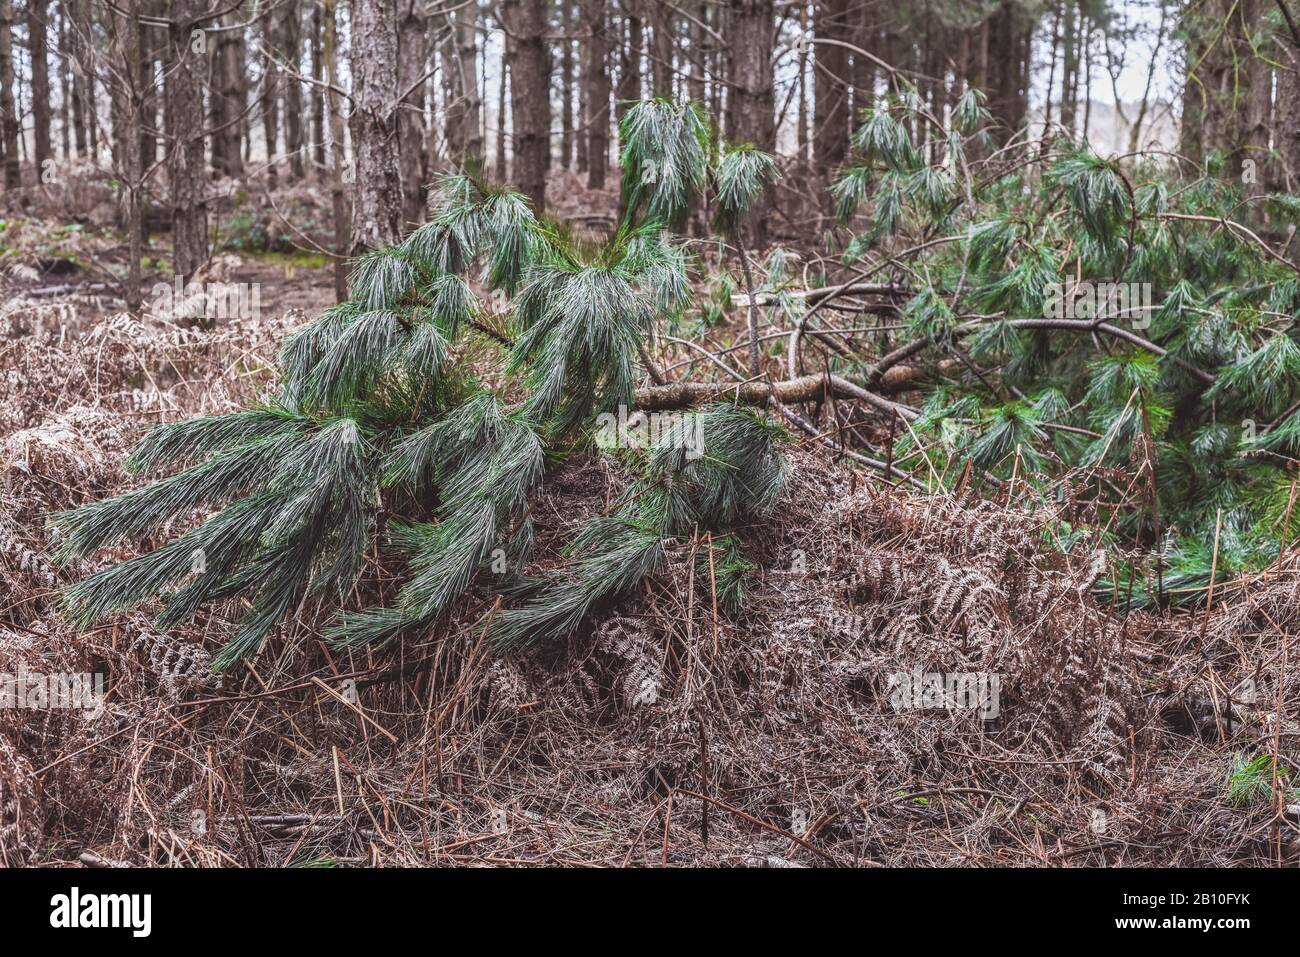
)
(8, 111)
(1259, 95)
(271, 97)
(468, 134)
(342, 244)
(530, 96)
(184, 94)
(503, 89)
(831, 95)
(1069, 70)
(866, 35)
(663, 48)
(566, 85)
(317, 93)
(147, 39)
(127, 107)
(629, 72)
(227, 101)
(1287, 124)
(452, 103)
(699, 54)
(377, 192)
(291, 45)
(597, 98)
(74, 69)
(412, 58)
(801, 133)
(750, 115)
(1006, 62)
(65, 83)
(38, 12)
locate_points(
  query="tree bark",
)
(663, 50)
(8, 111)
(377, 190)
(750, 115)
(503, 89)
(412, 60)
(317, 93)
(228, 97)
(187, 54)
(128, 108)
(338, 202)
(831, 92)
(629, 71)
(530, 96)
(567, 85)
(597, 97)
(464, 129)
(38, 12)
(148, 40)
(76, 39)
(271, 97)
(291, 43)
(65, 83)
(1287, 123)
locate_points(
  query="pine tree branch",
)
(679, 395)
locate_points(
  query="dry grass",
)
(664, 734)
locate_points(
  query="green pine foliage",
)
(1204, 385)
(380, 434)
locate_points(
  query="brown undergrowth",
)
(670, 731)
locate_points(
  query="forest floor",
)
(668, 733)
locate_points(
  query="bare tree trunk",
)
(413, 55)
(128, 109)
(580, 143)
(597, 97)
(699, 54)
(503, 88)
(8, 112)
(530, 96)
(566, 85)
(291, 45)
(461, 91)
(65, 84)
(75, 38)
(317, 94)
(271, 96)
(342, 243)
(663, 50)
(801, 137)
(1259, 96)
(148, 40)
(377, 192)
(452, 103)
(465, 23)
(866, 36)
(1006, 64)
(228, 98)
(750, 115)
(1286, 127)
(831, 105)
(186, 51)
(629, 71)
(38, 12)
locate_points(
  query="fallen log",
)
(680, 395)
(823, 292)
